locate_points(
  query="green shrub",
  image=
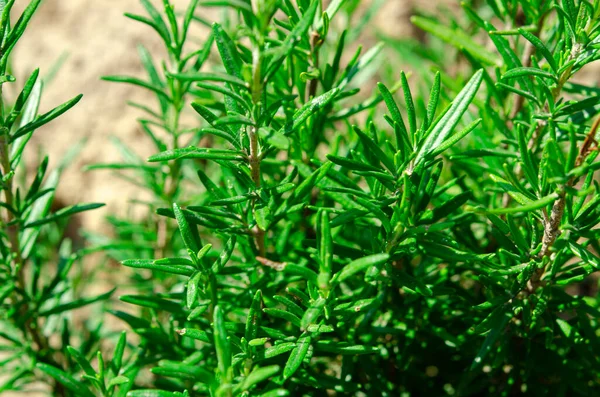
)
(40, 272)
(313, 238)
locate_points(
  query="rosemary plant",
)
(39, 283)
(433, 234)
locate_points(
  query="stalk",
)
(172, 123)
(11, 225)
(552, 223)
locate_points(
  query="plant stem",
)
(552, 224)
(172, 121)
(32, 327)
(518, 105)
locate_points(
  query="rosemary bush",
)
(316, 234)
(40, 276)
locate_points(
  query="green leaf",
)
(344, 348)
(42, 206)
(434, 97)
(212, 119)
(276, 350)
(229, 54)
(140, 83)
(185, 372)
(210, 186)
(81, 361)
(320, 328)
(64, 307)
(117, 358)
(440, 131)
(210, 76)
(312, 314)
(351, 164)
(161, 26)
(497, 326)
(225, 255)
(296, 357)
(186, 234)
(187, 20)
(540, 47)
(374, 148)
(45, 118)
(153, 393)
(376, 211)
(532, 206)
(118, 380)
(528, 72)
(17, 31)
(153, 302)
(21, 101)
(410, 106)
(308, 110)
(292, 306)
(402, 137)
(222, 345)
(297, 33)
(193, 288)
(275, 393)
(454, 138)
(196, 334)
(65, 212)
(65, 379)
(155, 79)
(518, 91)
(526, 156)
(303, 189)
(193, 152)
(227, 92)
(521, 196)
(457, 38)
(359, 265)
(259, 375)
(153, 265)
(253, 318)
(325, 247)
(585, 254)
(285, 315)
(302, 271)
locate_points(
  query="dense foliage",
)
(311, 233)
